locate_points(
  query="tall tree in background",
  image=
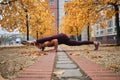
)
(111, 8)
(90, 12)
(79, 15)
(22, 14)
(42, 24)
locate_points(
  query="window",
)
(53, 14)
(51, 2)
(111, 37)
(97, 33)
(53, 24)
(110, 23)
(109, 31)
(115, 29)
(101, 32)
(99, 38)
(66, 13)
(68, 0)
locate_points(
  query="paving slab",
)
(64, 62)
(66, 66)
(63, 59)
(71, 73)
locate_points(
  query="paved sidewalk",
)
(93, 70)
(40, 70)
(43, 68)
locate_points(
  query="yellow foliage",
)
(35, 12)
(82, 13)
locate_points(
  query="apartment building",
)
(105, 35)
(57, 10)
(53, 6)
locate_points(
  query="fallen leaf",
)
(109, 50)
(23, 52)
(1, 78)
(100, 57)
(2, 62)
(35, 53)
(87, 52)
(94, 56)
(58, 72)
(44, 53)
(70, 53)
(22, 68)
(75, 54)
(114, 66)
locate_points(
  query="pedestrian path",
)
(66, 69)
(40, 70)
(72, 68)
(93, 70)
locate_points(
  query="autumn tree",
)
(42, 25)
(79, 15)
(111, 8)
(90, 12)
(24, 15)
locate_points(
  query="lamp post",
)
(27, 25)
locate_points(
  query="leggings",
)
(64, 39)
(78, 43)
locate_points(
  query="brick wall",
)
(53, 8)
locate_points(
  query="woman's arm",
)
(55, 42)
(51, 43)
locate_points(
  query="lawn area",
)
(15, 59)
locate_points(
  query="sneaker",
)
(28, 43)
(96, 45)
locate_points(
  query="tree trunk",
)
(117, 25)
(27, 26)
(88, 32)
(36, 34)
(76, 37)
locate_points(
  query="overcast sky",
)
(3, 31)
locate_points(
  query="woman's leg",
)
(77, 43)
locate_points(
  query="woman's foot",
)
(96, 44)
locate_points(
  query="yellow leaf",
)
(114, 66)
(58, 72)
(2, 62)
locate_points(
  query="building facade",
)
(57, 10)
(53, 6)
(105, 35)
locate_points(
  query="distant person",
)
(56, 40)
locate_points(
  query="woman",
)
(58, 39)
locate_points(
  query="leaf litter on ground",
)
(13, 60)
